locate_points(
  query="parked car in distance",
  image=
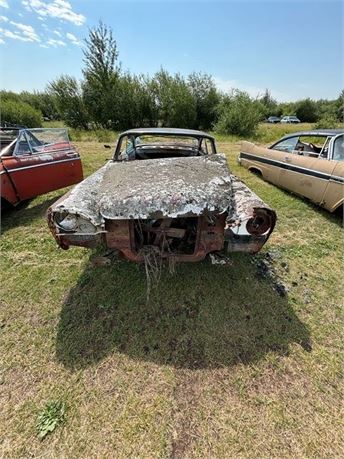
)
(308, 163)
(273, 119)
(290, 120)
(34, 162)
(166, 192)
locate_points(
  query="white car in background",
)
(290, 120)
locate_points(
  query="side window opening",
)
(310, 145)
(338, 149)
(287, 145)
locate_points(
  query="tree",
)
(207, 98)
(16, 112)
(269, 105)
(101, 73)
(175, 102)
(238, 114)
(340, 107)
(306, 111)
(70, 102)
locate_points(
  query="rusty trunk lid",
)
(169, 187)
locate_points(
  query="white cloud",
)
(73, 39)
(60, 9)
(4, 19)
(56, 32)
(4, 3)
(2, 41)
(13, 35)
(27, 31)
(253, 91)
(55, 43)
(23, 33)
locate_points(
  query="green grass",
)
(216, 364)
(50, 417)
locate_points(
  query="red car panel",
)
(32, 173)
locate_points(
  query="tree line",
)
(108, 97)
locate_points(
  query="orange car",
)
(34, 162)
(308, 163)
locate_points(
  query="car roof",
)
(167, 131)
(315, 133)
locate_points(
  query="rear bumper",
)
(120, 236)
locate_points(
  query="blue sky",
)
(294, 48)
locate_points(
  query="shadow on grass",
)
(202, 316)
(23, 215)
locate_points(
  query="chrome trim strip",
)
(291, 167)
(43, 164)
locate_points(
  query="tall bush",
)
(306, 110)
(15, 112)
(175, 102)
(70, 101)
(206, 97)
(238, 114)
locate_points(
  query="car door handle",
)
(288, 159)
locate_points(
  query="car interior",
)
(149, 147)
(313, 146)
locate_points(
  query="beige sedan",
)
(308, 163)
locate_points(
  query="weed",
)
(50, 417)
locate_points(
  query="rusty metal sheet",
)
(169, 187)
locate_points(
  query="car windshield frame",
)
(132, 136)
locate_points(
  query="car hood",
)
(153, 188)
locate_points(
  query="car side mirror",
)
(107, 145)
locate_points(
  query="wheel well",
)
(339, 210)
(255, 171)
(5, 204)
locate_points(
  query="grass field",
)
(217, 363)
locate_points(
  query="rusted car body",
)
(308, 163)
(34, 162)
(165, 190)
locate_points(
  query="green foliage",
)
(339, 106)
(306, 110)
(51, 416)
(101, 87)
(136, 105)
(70, 101)
(42, 101)
(16, 112)
(176, 104)
(207, 98)
(269, 106)
(238, 114)
(327, 122)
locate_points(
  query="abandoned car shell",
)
(307, 163)
(34, 162)
(167, 190)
